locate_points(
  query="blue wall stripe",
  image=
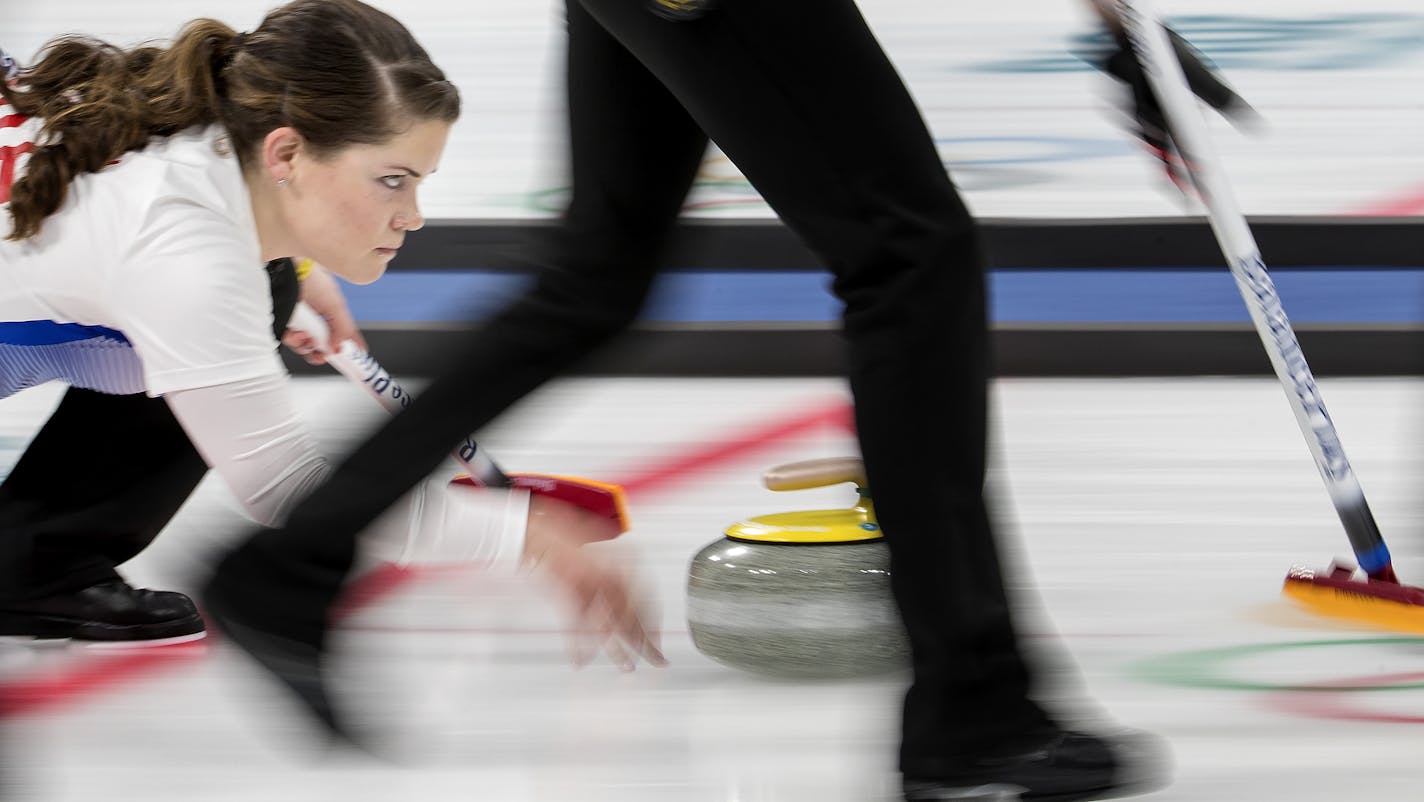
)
(1208, 295)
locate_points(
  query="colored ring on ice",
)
(1208, 668)
(1335, 706)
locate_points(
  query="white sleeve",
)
(250, 433)
(193, 298)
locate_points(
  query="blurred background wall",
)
(1100, 268)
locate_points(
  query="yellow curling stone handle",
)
(854, 525)
(815, 473)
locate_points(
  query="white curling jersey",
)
(149, 277)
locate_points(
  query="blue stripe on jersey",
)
(48, 332)
(95, 363)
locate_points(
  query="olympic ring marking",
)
(1201, 669)
(1315, 43)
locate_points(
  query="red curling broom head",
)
(1347, 594)
(600, 498)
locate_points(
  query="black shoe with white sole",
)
(1070, 766)
(111, 611)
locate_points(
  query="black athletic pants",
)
(99, 482)
(801, 97)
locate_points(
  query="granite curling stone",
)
(800, 594)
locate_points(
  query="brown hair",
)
(338, 71)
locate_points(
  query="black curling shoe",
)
(1070, 766)
(111, 611)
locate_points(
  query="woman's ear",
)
(279, 152)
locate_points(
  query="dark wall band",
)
(1068, 349)
(766, 244)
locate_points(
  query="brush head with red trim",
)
(1345, 593)
(600, 498)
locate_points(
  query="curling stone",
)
(800, 594)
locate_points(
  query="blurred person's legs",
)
(803, 100)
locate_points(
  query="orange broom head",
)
(1340, 593)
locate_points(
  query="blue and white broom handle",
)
(1188, 127)
(363, 369)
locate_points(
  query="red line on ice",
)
(99, 671)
